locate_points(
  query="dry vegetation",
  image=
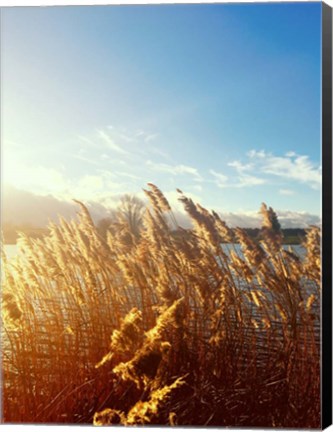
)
(149, 327)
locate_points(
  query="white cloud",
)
(87, 141)
(255, 153)
(92, 187)
(160, 152)
(125, 137)
(110, 142)
(129, 175)
(244, 180)
(129, 136)
(241, 219)
(41, 179)
(120, 140)
(197, 187)
(240, 167)
(300, 169)
(220, 179)
(219, 176)
(287, 192)
(249, 180)
(91, 182)
(175, 169)
(287, 219)
(145, 136)
(85, 159)
(262, 167)
(293, 219)
(289, 167)
(150, 137)
(21, 207)
(62, 184)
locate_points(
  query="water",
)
(11, 250)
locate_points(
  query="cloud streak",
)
(287, 219)
(241, 181)
(175, 170)
(262, 167)
(287, 192)
(111, 145)
(290, 167)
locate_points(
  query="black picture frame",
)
(327, 216)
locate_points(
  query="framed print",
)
(166, 215)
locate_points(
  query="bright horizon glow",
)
(98, 101)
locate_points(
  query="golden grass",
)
(162, 328)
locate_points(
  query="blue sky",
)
(222, 101)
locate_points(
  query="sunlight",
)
(39, 179)
(13, 169)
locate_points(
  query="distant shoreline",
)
(291, 236)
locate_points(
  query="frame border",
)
(326, 379)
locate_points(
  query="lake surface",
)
(11, 249)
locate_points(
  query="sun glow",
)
(19, 172)
(13, 169)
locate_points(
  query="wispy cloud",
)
(290, 166)
(111, 145)
(129, 135)
(221, 179)
(85, 159)
(120, 140)
(249, 180)
(290, 153)
(175, 169)
(88, 141)
(240, 181)
(160, 152)
(129, 175)
(287, 219)
(240, 167)
(145, 136)
(197, 187)
(287, 192)
(150, 137)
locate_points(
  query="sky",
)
(222, 101)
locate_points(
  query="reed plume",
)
(156, 324)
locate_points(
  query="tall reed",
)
(162, 326)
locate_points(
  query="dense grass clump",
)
(159, 325)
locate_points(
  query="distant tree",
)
(103, 225)
(130, 212)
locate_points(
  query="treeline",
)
(290, 235)
(10, 232)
